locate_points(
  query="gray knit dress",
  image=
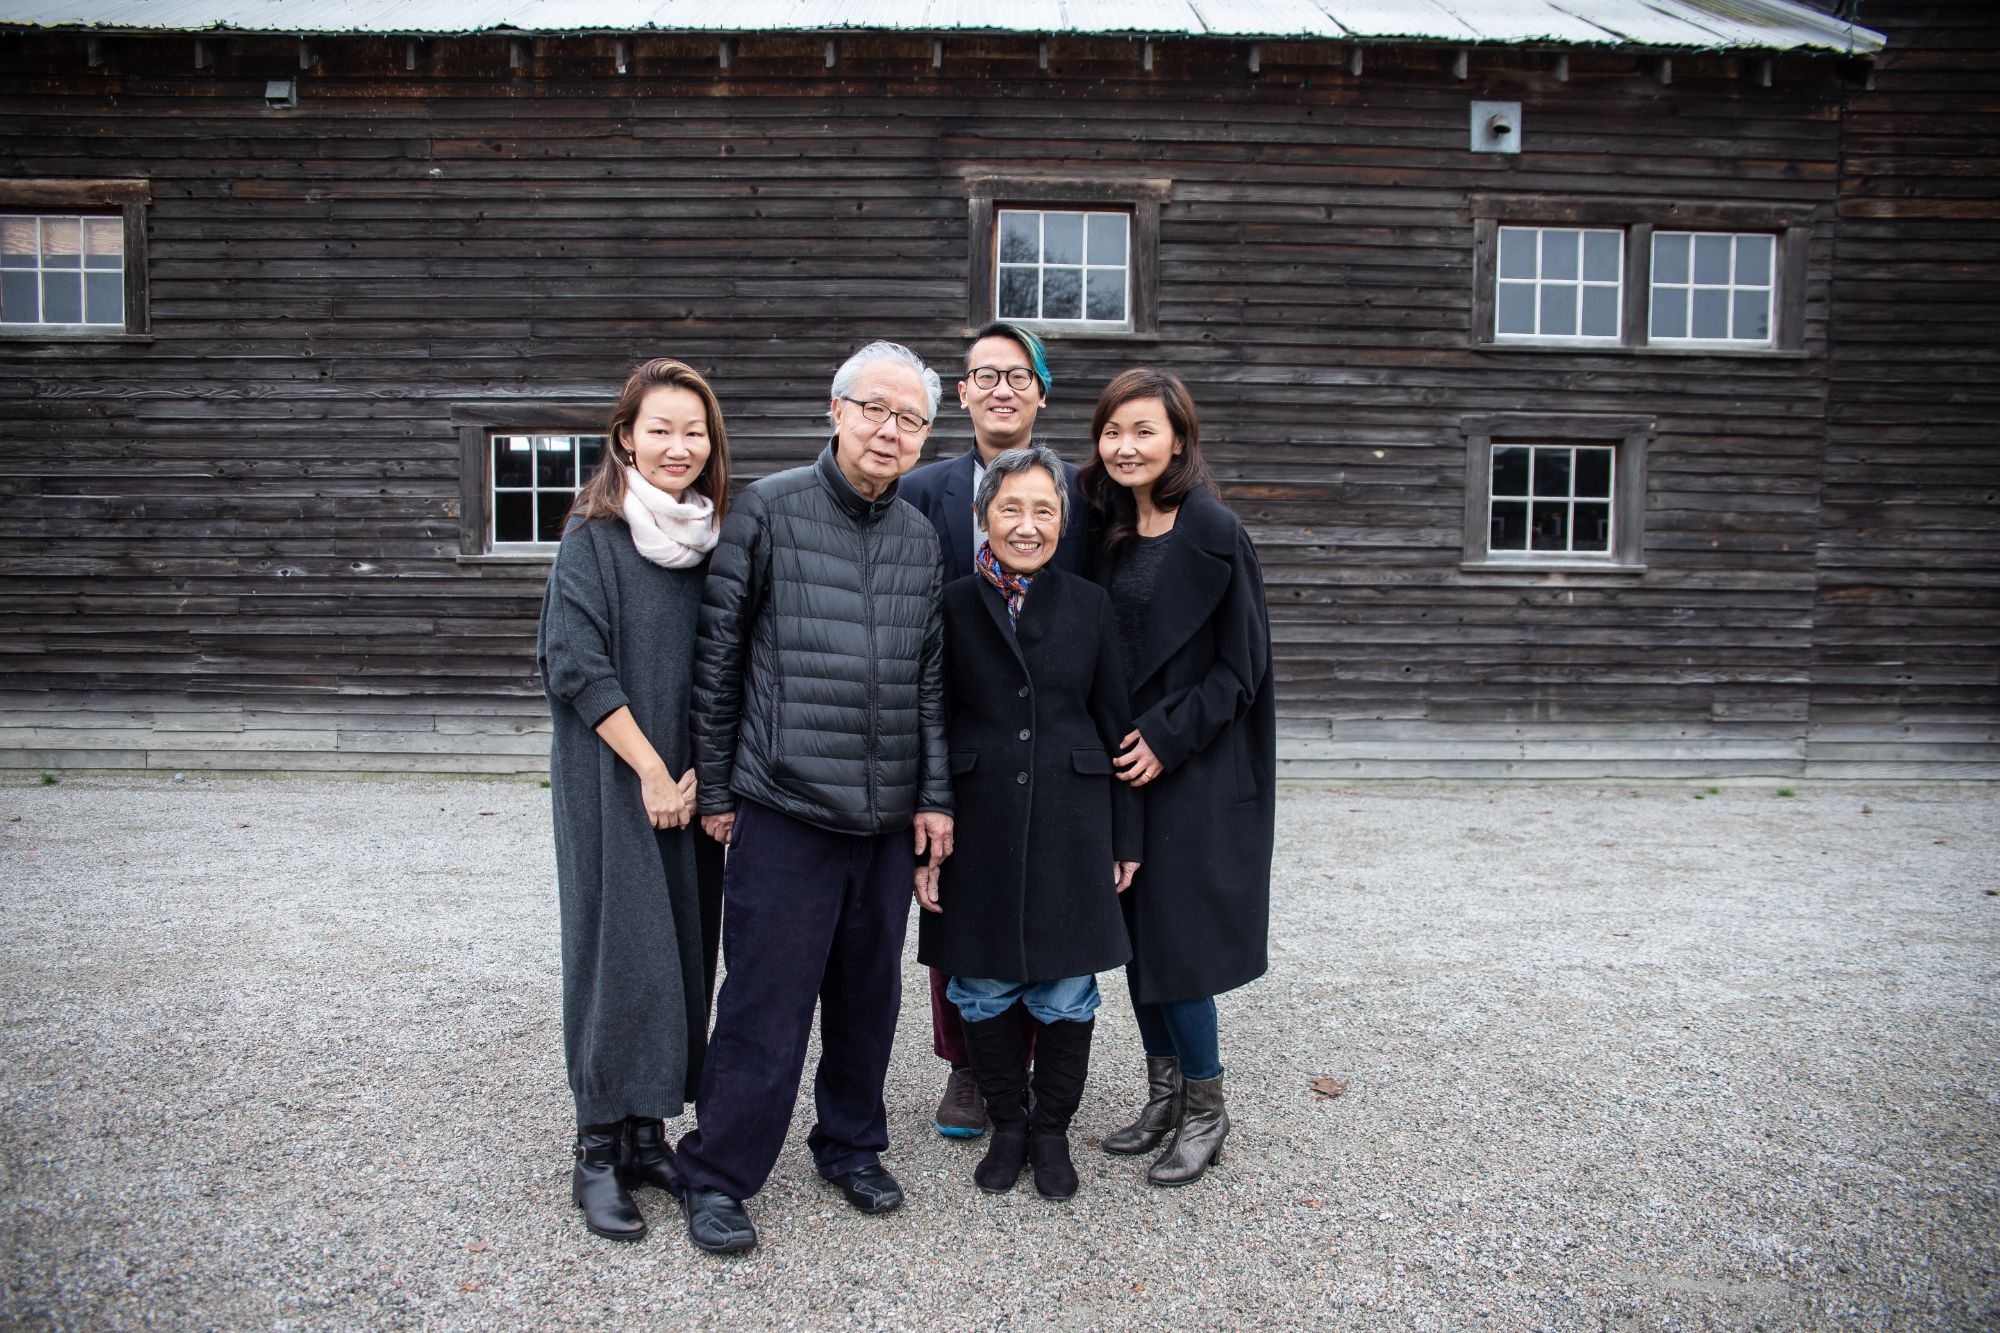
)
(619, 630)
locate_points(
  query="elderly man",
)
(819, 738)
(1006, 383)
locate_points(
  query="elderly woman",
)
(1026, 910)
(639, 889)
(1196, 641)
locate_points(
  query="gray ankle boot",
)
(1198, 1141)
(1159, 1117)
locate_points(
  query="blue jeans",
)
(1181, 1028)
(1067, 1000)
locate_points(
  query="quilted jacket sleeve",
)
(729, 602)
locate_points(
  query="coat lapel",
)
(1194, 575)
(996, 611)
(957, 502)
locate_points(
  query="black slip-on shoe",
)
(870, 1189)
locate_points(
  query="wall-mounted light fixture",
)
(1496, 127)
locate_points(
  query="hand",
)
(1138, 765)
(927, 889)
(934, 836)
(687, 786)
(720, 827)
(1121, 874)
(666, 806)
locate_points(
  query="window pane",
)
(1711, 258)
(1018, 294)
(62, 298)
(1107, 238)
(1062, 293)
(62, 243)
(1558, 308)
(17, 242)
(1600, 311)
(1593, 472)
(104, 298)
(1670, 257)
(514, 517)
(1711, 313)
(550, 508)
(1062, 238)
(104, 241)
(589, 449)
(1590, 527)
(1753, 314)
(1551, 472)
(1753, 260)
(1020, 238)
(1670, 312)
(512, 465)
(1600, 256)
(1551, 528)
(1105, 298)
(1509, 529)
(1510, 471)
(1559, 255)
(1517, 252)
(20, 297)
(555, 461)
(1516, 310)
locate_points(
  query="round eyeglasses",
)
(1019, 378)
(881, 412)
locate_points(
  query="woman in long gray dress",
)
(639, 884)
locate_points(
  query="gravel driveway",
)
(287, 1053)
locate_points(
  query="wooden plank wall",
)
(253, 517)
(1906, 642)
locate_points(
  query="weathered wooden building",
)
(1609, 387)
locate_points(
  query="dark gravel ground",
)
(285, 1053)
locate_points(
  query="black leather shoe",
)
(871, 1189)
(646, 1160)
(716, 1222)
(607, 1209)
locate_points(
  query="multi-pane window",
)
(1559, 283)
(1064, 266)
(535, 479)
(62, 270)
(1712, 287)
(1553, 498)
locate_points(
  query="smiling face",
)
(872, 454)
(1136, 444)
(1003, 417)
(669, 438)
(1024, 520)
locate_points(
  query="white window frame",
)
(1041, 267)
(532, 444)
(1729, 289)
(41, 269)
(478, 426)
(1139, 199)
(1535, 499)
(124, 201)
(1627, 437)
(1581, 283)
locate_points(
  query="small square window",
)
(1559, 284)
(1554, 492)
(1063, 267)
(1713, 287)
(62, 272)
(534, 480)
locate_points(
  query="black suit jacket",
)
(942, 492)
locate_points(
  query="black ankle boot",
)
(607, 1209)
(1000, 1063)
(646, 1160)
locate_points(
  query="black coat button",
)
(1024, 733)
(1023, 692)
(1021, 778)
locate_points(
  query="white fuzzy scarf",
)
(668, 532)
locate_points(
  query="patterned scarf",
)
(1013, 587)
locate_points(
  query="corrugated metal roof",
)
(1762, 25)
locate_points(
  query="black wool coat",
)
(1200, 907)
(1034, 714)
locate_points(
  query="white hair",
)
(850, 371)
(1021, 460)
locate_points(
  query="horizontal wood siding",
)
(1906, 640)
(260, 507)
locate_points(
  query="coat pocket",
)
(962, 761)
(1090, 759)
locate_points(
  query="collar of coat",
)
(1193, 578)
(1208, 523)
(861, 510)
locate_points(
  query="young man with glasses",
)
(1006, 383)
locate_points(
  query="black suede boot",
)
(646, 1159)
(607, 1209)
(1000, 1063)
(1062, 1063)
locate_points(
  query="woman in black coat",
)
(1196, 644)
(1026, 910)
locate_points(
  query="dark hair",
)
(1186, 472)
(1025, 339)
(603, 496)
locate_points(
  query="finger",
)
(1130, 737)
(922, 836)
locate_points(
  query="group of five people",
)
(1034, 699)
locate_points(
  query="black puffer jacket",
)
(818, 670)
